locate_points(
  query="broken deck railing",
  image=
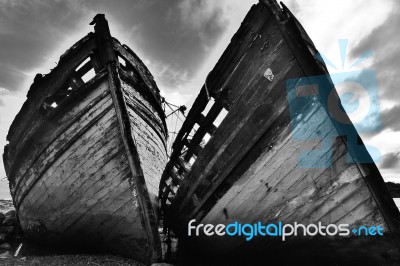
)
(199, 126)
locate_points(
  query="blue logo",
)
(281, 230)
(321, 115)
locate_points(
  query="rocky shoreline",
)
(10, 233)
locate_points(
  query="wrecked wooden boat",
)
(251, 167)
(87, 150)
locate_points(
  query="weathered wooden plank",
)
(105, 209)
(138, 65)
(237, 119)
(84, 192)
(60, 135)
(151, 136)
(67, 161)
(86, 68)
(236, 50)
(25, 188)
(363, 214)
(134, 98)
(272, 176)
(257, 184)
(35, 139)
(203, 129)
(318, 178)
(346, 207)
(101, 212)
(323, 205)
(37, 172)
(266, 148)
(83, 162)
(76, 81)
(273, 191)
(127, 206)
(94, 199)
(150, 149)
(63, 205)
(137, 181)
(299, 214)
(118, 230)
(264, 49)
(236, 129)
(211, 128)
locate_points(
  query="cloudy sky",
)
(181, 40)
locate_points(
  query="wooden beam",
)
(109, 59)
(203, 129)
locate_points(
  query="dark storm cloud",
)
(29, 31)
(11, 77)
(174, 35)
(391, 160)
(384, 42)
(391, 118)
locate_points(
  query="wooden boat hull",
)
(85, 173)
(249, 171)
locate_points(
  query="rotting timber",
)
(85, 157)
(248, 170)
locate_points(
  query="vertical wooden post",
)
(137, 182)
